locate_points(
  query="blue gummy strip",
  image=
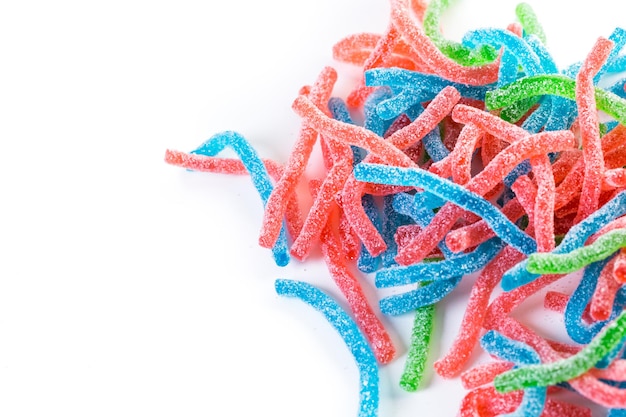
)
(463, 264)
(517, 46)
(391, 221)
(433, 145)
(423, 296)
(520, 354)
(577, 329)
(452, 192)
(349, 331)
(258, 174)
(339, 111)
(418, 207)
(366, 262)
(373, 121)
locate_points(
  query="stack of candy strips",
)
(479, 159)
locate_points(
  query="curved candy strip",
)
(577, 329)
(476, 233)
(463, 264)
(380, 55)
(496, 344)
(396, 305)
(483, 374)
(258, 174)
(552, 84)
(451, 192)
(431, 56)
(350, 287)
(350, 333)
(475, 313)
(602, 248)
(575, 238)
(527, 17)
(413, 88)
(525, 56)
(456, 51)
(603, 298)
(482, 183)
(285, 187)
(565, 369)
(519, 353)
(419, 208)
(589, 130)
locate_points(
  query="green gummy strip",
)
(557, 85)
(565, 369)
(551, 263)
(418, 352)
(529, 21)
(517, 110)
(454, 50)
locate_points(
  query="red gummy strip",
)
(601, 304)
(203, 163)
(619, 269)
(323, 203)
(614, 178)
(489, 123)
(381, 151)
(349, 239)
(440, 64)
(557, 302)
(544, 203)
(526, 193)
(487, 402)
(364, 315)
(484, 374)
(498, 168)
(466, 237)
(562, 166)
(491, 147)
(357, 48)
(589, 130)
(475, 313)
(587, 385)
(378, 58)
(616, 371)
(459, 162)
(571, 185)
(285, 187)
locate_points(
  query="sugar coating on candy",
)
(604, 246)
(566, 369)
(475, 157)
(421, 334)
(349, 331)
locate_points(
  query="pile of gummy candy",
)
(477, 159)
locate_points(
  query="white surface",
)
(133, 288)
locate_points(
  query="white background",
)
(133, 288)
